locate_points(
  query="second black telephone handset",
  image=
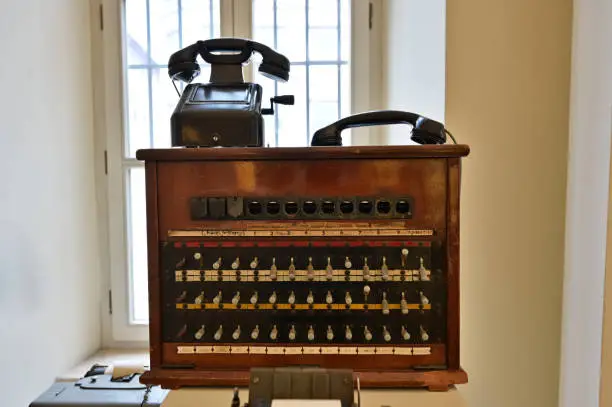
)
(424, 130)
(226, 53)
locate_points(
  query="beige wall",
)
(507, 96)
(49, 296)
(414, 51)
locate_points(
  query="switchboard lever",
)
(236, 334)
(423, 271)
(273, 269)
(424, 299)
(329, 270)
(273, 333)
(218, 297)
(292, 333)
(384, 269)
(181, 297)
(310, 269)
(330, 333)
(404, 257)
(255, 332)
(385, 304)
(272, 298)
(200, 333)
(405, 333)
(219, 333)
(348, 334)
(311, 334)
(404, 304)
(367, 334)
(291, 270)
(424, 334)
(386, 334)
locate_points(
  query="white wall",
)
(414, 49)
(587, 210)
(507, 96)
(49, 272)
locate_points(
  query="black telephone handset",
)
(424, 130)
(226, 53)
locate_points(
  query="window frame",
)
(110, 111)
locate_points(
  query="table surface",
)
(221, 397)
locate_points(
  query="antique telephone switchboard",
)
(323, 256)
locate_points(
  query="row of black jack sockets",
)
(282, 208)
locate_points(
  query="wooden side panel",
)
(452, 244)
(155, 310)
(424, 179)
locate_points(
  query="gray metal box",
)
(100, 391)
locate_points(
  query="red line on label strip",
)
(192, 244)
(265, 244)
(210, 244)
(228, 244)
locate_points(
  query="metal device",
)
(226, 111)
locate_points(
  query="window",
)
(316, 35)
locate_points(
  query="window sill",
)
(107, 357)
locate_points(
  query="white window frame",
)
(108, 53)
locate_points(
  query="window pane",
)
(345, 29)
(291, 29)
(263, 13)
(319, 96)
(149, 89)
(164, 101)
(323, 44)
(137, 240)
(164, 20)
(322, 114)
(197, 20)
(292, 128)
(323, 13)
(136, 27)
(324, 83)
(138, 107)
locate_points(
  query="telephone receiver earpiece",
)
(424, 130)
(183, 65)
